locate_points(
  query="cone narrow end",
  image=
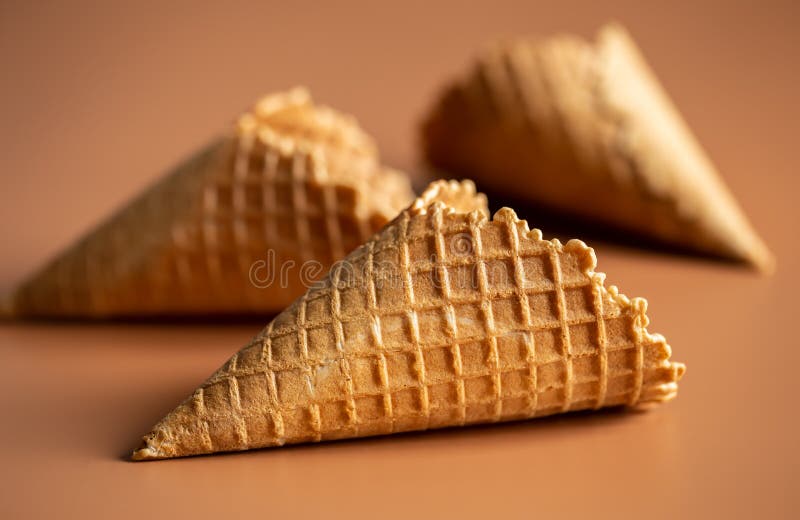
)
(147, 451)
(763, 260)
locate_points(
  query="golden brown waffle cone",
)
(238, 228)
(587, 129)
(443, 318)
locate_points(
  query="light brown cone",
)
(586, 128)
(241, 227)
(443, 318)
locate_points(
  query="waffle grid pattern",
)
(272, 201)
(97, 275)
(585, 128)
(379, 373)
(249, 205)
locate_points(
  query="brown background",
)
(97, 101)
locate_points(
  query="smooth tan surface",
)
(103, 99)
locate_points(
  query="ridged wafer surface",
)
(443, 318)
(295, 186)
(587, 129)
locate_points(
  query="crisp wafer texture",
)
(586, 129)
(443, 318)
(242, 227)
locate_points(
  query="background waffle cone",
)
(236, 228)
(586, 129)
(443, 318)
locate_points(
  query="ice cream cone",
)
(443, 318)
(586, 129)
(242, 227)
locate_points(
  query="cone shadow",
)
(211, 320)
(499, 432)
(558, 224)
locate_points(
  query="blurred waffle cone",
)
(443, 318)
(241, 227)
(587, 129)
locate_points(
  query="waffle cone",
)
(443, 318)
(294, 186)
(587, 129)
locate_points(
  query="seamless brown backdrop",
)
(97, 100)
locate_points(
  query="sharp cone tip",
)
(764, 261)
(146, 452)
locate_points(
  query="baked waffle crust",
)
(292, 183)
(443, 318)
(586, 129)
